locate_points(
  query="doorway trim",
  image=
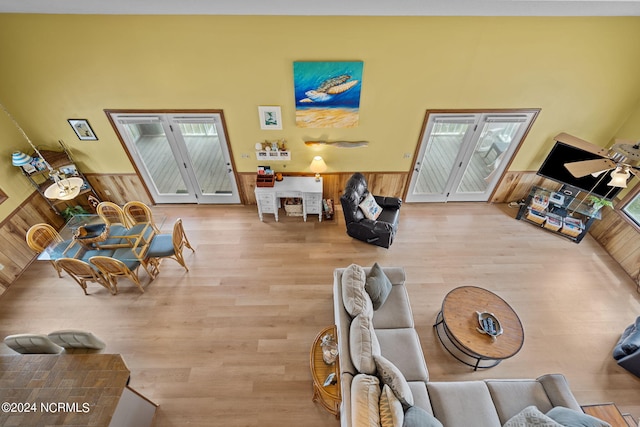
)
(111, 112)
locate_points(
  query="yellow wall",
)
(582, 73)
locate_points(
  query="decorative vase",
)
(329, 349)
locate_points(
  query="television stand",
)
(571, 219)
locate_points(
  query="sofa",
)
(372, 219)
(377, 338)
(627, 349)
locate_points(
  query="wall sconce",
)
(318, 166)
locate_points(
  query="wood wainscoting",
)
(620, 238)
(15, 254)
(119, 188)
(380, 183)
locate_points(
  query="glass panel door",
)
(462, 156)
(182, 159)
(207, 151)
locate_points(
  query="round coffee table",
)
(457, 327)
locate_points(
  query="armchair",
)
(627, 350)
(379, 231)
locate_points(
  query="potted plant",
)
(596, 203)
(70, 211)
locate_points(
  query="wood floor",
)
(227, 344)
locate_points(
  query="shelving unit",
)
(62, 161)
(566, 215)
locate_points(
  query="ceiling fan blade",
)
(584, 168)
(581, 143)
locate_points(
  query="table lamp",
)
(318, 166)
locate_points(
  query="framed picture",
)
(270, 118)
(82, 128)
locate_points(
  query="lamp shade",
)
(619, 177)
(318, 165)
(18, 158)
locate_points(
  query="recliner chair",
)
(379, 231)
(627, 350)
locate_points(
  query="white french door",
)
(463, 155)
(182, 158)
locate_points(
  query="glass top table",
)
(125, 244)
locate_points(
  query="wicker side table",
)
(328, 396)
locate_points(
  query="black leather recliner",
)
(378, 232)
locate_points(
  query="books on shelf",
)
(540, 201)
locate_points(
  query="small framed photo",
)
(82, 128)
(270, 118)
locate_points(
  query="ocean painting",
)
(327, 94)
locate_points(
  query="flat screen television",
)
(553, 168)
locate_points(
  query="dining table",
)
(87, 235)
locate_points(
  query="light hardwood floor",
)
(227, 344)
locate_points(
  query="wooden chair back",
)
(111, 268)
(82, 273)
(112, 214)
(180, 237)
(137, 212)
(42, 235)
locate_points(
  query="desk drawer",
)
(283, 194)
(313, 203)
(266, 202)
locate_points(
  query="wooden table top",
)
(459, 313)
(320, 370)
(66, 389)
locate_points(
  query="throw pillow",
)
(571, 418)
(418, 417)
(529, 417)
(363, 345)
(365, 397)
(369, 207)
(389, 374)
(354, 297)
(378, 286)
(391, 411)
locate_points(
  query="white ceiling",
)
(330, 7)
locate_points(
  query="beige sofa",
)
(390, 333)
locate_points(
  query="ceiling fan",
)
(621, 158)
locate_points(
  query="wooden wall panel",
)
(620, 239)
(119, 188)
(380, 183)
(516, 185)
(15, 254)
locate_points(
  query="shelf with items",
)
(272, 150)
(562, 214)
(64, 166)
(273, 155)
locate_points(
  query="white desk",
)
(306, 188)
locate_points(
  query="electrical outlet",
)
(107, 192)
(245, 156)
(1, 267)
(406, 156)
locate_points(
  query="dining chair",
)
(113, 215)
(40, 236)
(137, 213)
(112, 268)
(72, 339)
(82, 273)
(32, 344)
(169, 246)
